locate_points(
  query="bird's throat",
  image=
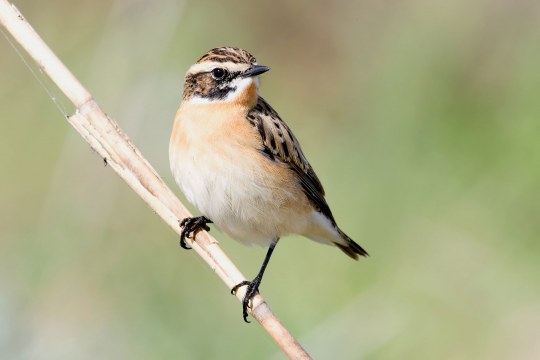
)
(247, 96)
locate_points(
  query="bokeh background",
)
(421, 117)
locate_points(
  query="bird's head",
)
(222, 74)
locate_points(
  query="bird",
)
(239, 164)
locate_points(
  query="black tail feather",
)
(351, 249)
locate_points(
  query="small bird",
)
(240, 165)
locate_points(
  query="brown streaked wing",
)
(280, 144)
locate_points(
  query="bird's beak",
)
(255, 70)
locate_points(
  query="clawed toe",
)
(253, 286)
(251, 291)
(191, 226)
(238, 286)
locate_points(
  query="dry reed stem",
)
(112, 144)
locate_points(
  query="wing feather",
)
(280, 144)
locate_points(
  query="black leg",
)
(191, 226)
(253, 286)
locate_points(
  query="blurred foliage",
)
(420, 117)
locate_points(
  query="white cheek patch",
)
(198, 99)
(240, 84)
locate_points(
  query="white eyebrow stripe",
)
(210, 65)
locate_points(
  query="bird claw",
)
(251, 291)
(191, 226)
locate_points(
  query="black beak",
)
(255, 70)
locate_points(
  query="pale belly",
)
(247, 196)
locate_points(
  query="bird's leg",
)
(253, 286)
(191, 226)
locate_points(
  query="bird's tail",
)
(351, 248)
(324, 229)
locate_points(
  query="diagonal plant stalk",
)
(112, 144)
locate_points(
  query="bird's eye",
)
(218, 73)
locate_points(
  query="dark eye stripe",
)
(205, 85)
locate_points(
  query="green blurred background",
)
(421, 118)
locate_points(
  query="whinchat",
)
(240, 165)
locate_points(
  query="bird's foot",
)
(251, 291)
(191, 226)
